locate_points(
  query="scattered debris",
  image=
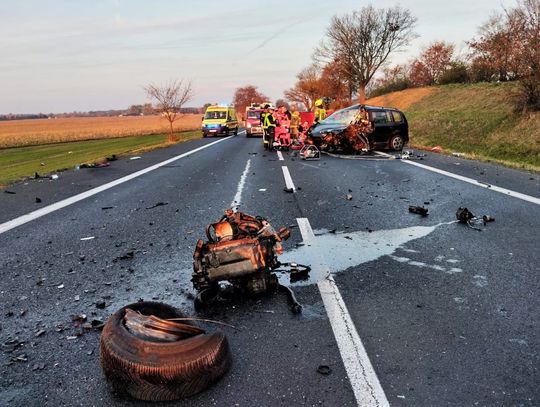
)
(39, 333)
(458, 154)
(436, 149)
(54, 176)
(324, 370)
(135, 158)
(104, 208)
(60, 286)
(127, 256)
(348, 197)
(463, 215)
(310, 153)
(158, 204)
(9, 192)
(95, 165)
(289, 190)
(38, 200)
(101, 305)
(88, 238)
(112, 158)
(78, 318)
(420, 210)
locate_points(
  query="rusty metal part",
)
(241, 249)
(152, 328)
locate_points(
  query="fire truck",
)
(254, 127)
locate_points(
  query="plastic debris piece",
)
(420, 210)
(54, 176)
(9, 192)
(158, 204)
(436, 149)
(348, 197)
(88, 238)
(324, 370)
(135, 158)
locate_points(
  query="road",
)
(404, 310)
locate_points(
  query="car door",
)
(382, 122)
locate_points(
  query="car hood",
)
(320, 129)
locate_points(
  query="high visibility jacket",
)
(269, 121)
(320, 114)
(263, 115)
(295, 119)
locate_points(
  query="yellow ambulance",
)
(219, 120)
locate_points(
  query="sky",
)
(79, 55)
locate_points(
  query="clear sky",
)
(65, 55)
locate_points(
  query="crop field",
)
(16, 133)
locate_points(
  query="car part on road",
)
(310, 153)
(241, 249)
(463, 215)
(420, 210)
(147, 356)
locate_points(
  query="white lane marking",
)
(238, 197)
(288, 180)
(280, 156)
(21, 220)
(472, 181)
(365, 384)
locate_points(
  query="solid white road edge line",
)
(365, 383)
(21, 220)
(472, 181)
(280, 156)
(238, 197)
(288, 180)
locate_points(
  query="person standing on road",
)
(320, 111)
(269, 129)
(295, 121)
(264, 112)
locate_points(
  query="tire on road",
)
(397, 143)
(156, 370)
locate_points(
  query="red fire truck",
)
(254, 127)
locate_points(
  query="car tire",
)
(204, 135)
(160, 371)
(396, 143)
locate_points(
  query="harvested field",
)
(16, 133)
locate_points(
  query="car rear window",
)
(397, 116)
(380, 116)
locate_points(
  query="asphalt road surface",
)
(404, 310)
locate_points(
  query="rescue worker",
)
(269, 128)
(320, 111)
(263, 124)
(295, 121)
(283, 117)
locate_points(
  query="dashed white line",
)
(21, 220)
(365, 383)
(475, 182)
(280, 156)
(238, 197)
(288, 180)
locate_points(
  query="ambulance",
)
(219, 120)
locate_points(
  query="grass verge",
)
(478, 120)
(20, 162)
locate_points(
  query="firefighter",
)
(295, 121)
(269, 129)
(263, 124)
(320, 111)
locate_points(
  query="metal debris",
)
(241, 249)
(158, 204)
(420, 210)
(324, 370)
(463, 215)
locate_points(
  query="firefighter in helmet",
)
(320, 111)
(269, 129)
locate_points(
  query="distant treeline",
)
(134, 110)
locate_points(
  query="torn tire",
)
(154, 370)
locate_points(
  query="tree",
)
(245, 95)
(282, 102)
(363, 40)
(308, 87)
(334, 85)
(434, 61)
(393, 79)
(170, 99)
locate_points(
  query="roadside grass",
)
(478, 120)
(20, 162)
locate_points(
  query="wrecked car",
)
(340, 132)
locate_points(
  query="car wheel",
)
(396, 143)
(236, 131)
(204, 135)
(153, 370)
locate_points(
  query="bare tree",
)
(363, 40)
(245, 95)
(170, 99)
